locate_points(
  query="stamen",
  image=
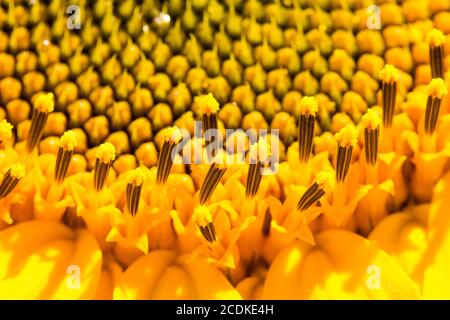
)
(214, 175)
(266, 223)
(172, 136)
(5, 130)
(436, 91)
(134, 188)
(371, 122)
(67, 144)
(258, 156)
(208, 107)
(11, 178)
(204, 220)
(324, 182)
(43, 104)
(308, 109)
(347, 139)
(389, 77)
(106, 154)
(436, 40)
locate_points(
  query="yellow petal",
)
(342, 265)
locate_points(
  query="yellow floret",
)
(17, 170)
(437, 88)
(308, 106)
(435, 38)
(68, 140)
(45, 102)
(5, 130)
(326, 180)
(347, 136)
(371, 120)
(207, 104)
(202, 216)
(389, 74)
(172, 134)
(106, 152)
(136, 177)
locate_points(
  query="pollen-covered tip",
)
(437, 88)
(106, 153)
(11, 178)
(308, 106)
(207, 104)
(347, 136)
(44, 102)
(67, 144)
(435, 38)
(203, 218)
(172, 134)
(135, 181)
(68, 140)
(389, 74)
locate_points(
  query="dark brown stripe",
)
(8, 184)
(208, 232)
(212, 178)
(344, 156)
(389, 93)
(266, 223)
(432, 114)
(209, 121)
(101, 171)
(311, 196)
(437, 61)
(371, 144)
(165, 162)
(62, 164)
(38, 121)
(132, 196)
(253, 179)
(305, 136)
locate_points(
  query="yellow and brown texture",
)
(93, 207)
